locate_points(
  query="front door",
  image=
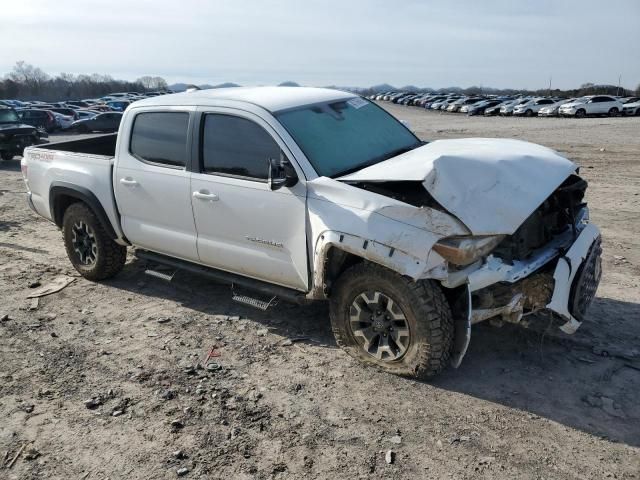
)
(152, 184)
(243, 226)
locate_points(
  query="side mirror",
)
(281, 173)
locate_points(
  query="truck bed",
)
(102, 145)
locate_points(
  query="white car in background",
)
(552, 110)
(532, 107)
(632, 108)
(509, 107)
(63, 122)
(592, 105)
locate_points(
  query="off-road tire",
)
(426, 310)
(110, 256)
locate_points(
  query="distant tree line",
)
(27, 82)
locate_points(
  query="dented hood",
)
(491, 185)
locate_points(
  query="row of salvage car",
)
(517, 106)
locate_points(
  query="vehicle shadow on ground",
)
(589, 381)
(538, 370)
(305, 324)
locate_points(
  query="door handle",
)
(204, 195)
(129, 182)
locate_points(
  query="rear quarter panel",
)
(45, 168)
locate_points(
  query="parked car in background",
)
(507, 109)
(532, 107)
(631, 108)
(480, 107)
(84, 114)
(78, 103)
(592, 105)
(15, 135)
(118, 105)
(495, 110)
(553, 109)
(43, 119)
(63, 122)
(457, 105)
(104, 122)
(69, 112)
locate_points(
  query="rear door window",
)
(160, 137)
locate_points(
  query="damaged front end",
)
(551, 262)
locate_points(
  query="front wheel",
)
(391, 322)
(6, 155)
(581, 113)
(92, 252)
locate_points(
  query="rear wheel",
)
(92, 252)
(529, 113)
(581, 113)
(391, 322)
(6, 155)
(613, 112)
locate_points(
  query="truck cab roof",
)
(273, 99)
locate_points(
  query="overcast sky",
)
(500, 43)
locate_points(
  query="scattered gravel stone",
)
(390, 457)
(93, 403)
(182, 471)
(163, 320)
(397, 439)
(213, 366)
(117, 413)
(5, 318)
(35, 284)
(262, 332)
(177, 425)
(179, 454)
(168, 394)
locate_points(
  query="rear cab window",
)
(160, 138)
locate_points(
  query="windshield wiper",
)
(381, 158)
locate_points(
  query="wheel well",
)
(60, 205)
(62, 195)
(336, 262)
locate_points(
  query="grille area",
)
(555, 215)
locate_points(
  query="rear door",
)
(151, 182)
(243, 226)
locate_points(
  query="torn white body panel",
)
(491, 185)
(565, 273)
(381, 229)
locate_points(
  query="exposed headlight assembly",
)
(466, 250)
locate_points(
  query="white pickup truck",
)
(315, 194)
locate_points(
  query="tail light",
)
(51, 117)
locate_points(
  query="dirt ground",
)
(285, 402)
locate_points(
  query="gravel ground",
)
(100, 380)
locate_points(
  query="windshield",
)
(8, 116)
(344, 136)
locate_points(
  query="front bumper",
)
(577, 276)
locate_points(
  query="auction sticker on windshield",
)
(357, 102)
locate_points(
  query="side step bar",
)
(284, 293)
